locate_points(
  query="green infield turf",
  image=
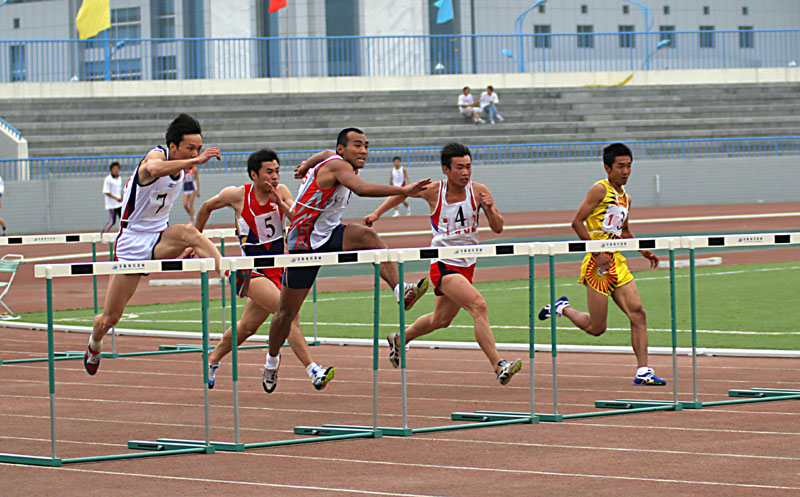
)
(746, 306)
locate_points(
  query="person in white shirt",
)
(399, 177)
(112, 195)
(2, 191)
(467, 104)
(488, 102)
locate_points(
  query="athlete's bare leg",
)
(459, 293)
(121, 288)
(290, 302)
(188, 204)
(175, 239)
(2, 222)
(594, 321)
(359, 237)
(628, 299)
(262, 300)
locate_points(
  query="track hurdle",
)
(50, 271)
(741, 240)
(374, 257)
(401, 256)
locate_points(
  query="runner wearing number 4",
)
(603, 215)
(260, 209)
(455, 202)
(144, 231)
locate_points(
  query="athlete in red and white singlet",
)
(455, 202)
(260, 208)
(317, 211)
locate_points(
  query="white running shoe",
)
(396, 213)
(414, 292)
(508, 370)
(212, 375)
(322, 377)
(269, 377)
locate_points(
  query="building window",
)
(585, 40)
(706, 10)
(542, 40)
(667, 33)
(626, 9)
(666, 10)
(745, 11)
(745, 36)
(626, 39)
(707, 37)
(126, 23)
(541, 9)
(16, 23)
(166, 67)
(584, 9)
(125, 69)
(16, 62)
(164, 21)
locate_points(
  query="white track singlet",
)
(146, 207)
(398, 177)
(455, 224)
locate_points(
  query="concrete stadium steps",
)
(113, 126)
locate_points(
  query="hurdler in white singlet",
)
(455, 224)
(146, 207)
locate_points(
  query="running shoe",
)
(269, 378)
(212, 375)
(649, 378)
(414, 292)
(508, 370)
(91, 361)
(322, 377)
(242, 282)
(394, 350)
(560, 305)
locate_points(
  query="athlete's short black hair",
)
(397, 157)
(111, 166)
(182, 125)
(255, 160)
(342, 139)
(454, 149)
(611, 152)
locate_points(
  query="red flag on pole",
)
(276, 5)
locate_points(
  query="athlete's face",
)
(396, 164)
(269, 173)
(460, 170)
(356, 150)
(620, 170)
(189, 148)
(115, 171)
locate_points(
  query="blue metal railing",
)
(11, 130)
(529, 153)
(243, 58)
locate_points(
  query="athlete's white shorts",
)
(135, 245)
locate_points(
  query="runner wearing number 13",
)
(603, 215)
(260, 208)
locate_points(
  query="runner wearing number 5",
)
(603, 215)
(260, 209)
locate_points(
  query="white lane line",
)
(526, 472)
(678, 428)
(349, 491)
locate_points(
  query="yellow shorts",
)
(616, 276)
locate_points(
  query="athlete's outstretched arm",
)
(230, 196)
(302, 168)
(156, 165)
(627, 233)
(283, 197)
(430, 194)
(343, 173)
(496, 221)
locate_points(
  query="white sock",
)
(96, 347)
(642, 371)
(311, 368)
(397, 291)
(273, 361)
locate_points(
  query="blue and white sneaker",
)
(212, 375)
(649, 378)
(561, 304)
(91, 361)
(508, 370)
(321, 377)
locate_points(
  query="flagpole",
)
(107, 44)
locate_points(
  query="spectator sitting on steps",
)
(467, 104)
(488, 102)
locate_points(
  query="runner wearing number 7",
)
(260, 208)
(603, 215)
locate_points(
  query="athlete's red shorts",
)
(440, 269)
(274, 274)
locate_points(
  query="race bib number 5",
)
(269, 226)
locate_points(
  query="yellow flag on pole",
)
(93, 17)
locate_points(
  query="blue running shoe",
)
(212, 375)
(649, 378)
(91, 361)
(560, 305)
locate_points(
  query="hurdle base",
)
(760, 393)
(30, 460)
(551, 418)
(331, 430)
(485, 416)
(159, 446)
(220, 446)
(636, 404)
